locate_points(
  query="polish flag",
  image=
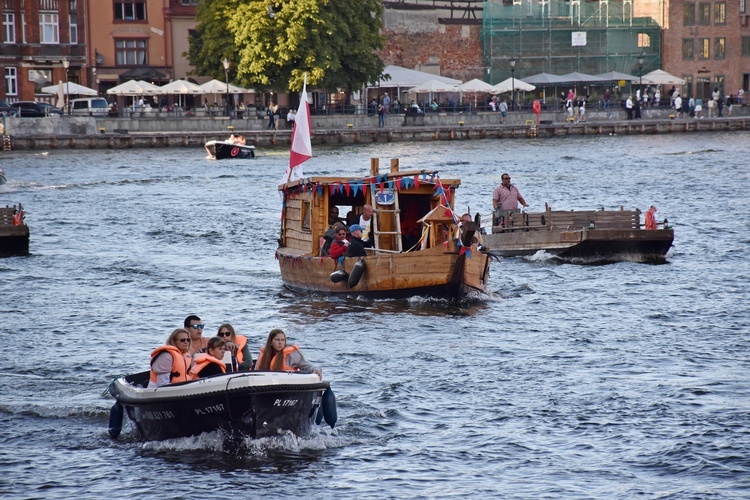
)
(301, 147)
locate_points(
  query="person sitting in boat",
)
(339, 245)
(170, 363)
(242, 359)
(206, 364)
(283, 357)
(465, 218)
(194, 327)
(240, 140)
(443, 234)
(356, 246)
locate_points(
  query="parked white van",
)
(90, 106)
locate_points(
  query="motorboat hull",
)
(225, 150)
(444, 272)
(14, 239)
(253, 404)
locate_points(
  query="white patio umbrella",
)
(133, 88)
(431, 86)
(69, 88)
(661, 77)
(180, 88)
(476, 85)
(512, 84)
(218, 87)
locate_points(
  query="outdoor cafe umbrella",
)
(133, 88)
(69, 88)
(543, 79)
(180, 88)
(217, 87)
(431, 86)
(512, 84)
(661, 77)
(476, 85)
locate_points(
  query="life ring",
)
(235, 151)
(357, 271)
(537, 107)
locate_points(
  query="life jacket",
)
(650, 218)
(200, 361)
(286, 352)
(180, 364)
(18, 217)
(241, 342)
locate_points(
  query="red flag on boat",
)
(301, 147)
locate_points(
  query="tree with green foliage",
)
(274, 43)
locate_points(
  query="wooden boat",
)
(254, 404)
(14, 233)
(406, 259)
(591, 236)
(221, 150)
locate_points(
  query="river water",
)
(570, 380)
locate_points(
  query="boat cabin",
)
(407, 211)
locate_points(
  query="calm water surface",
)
(570, 380)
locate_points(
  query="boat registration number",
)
(157, 415)
(208, 410)
(286, 402)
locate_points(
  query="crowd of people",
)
(188, 355)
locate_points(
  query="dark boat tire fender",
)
(328, 405)
(357, 271)
(339, 276)
(319, 416)
(115, 419)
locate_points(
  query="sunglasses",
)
(197, 327)
(183, 340)
(225, 334)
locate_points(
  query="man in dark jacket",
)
(356, 246)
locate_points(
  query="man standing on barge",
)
(505, 199)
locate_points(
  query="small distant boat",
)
(3, 180)
(224, 149)
(407, 258)
(14, 233)
(591, 236)
(255, 404)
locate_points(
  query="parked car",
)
(7, 110)
(50, 109)
(32, 109)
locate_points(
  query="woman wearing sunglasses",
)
(242, 359)
(206, 364)
(170, 363)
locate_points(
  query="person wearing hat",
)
(356, 245)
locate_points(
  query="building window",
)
(23, 28)
(688, 45)
(746, 45)
(130, 52)
(189, 2)
(704, 48)
(742, 6)
(74, 29)
(9, 28)
(689, 14)
(130, 10)
(704, 14)
(720, 13)
(48, 28)
(720, 48)
(688, 86)
(644, 40)
(11, 81)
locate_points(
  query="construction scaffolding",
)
(565, 36)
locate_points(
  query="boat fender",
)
(328, 405)
(319, 416)
(339, 276)
(357, 271)
(115, 419)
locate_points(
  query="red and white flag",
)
(301, 147)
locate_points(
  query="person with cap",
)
(356, 246)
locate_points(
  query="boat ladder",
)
(395, 213)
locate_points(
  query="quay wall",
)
(170, 131)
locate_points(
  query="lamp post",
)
(225, 62)
(512, 62)
(66, 65)
(640, 73)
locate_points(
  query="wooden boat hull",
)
(224, 150)
(442, 271)
(591, 245)
(254, 404)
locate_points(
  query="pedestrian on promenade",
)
(629, 107)
(381, 116)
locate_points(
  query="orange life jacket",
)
(286, 352)
(18, 217)
(180, 364)
(650, 219)
(200, 361)
(241, 342)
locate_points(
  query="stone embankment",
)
(164, 130)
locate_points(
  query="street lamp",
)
(512, 62)
(225, 62)
(66, 65)
(640, 73)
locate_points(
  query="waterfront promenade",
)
(169, 130)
